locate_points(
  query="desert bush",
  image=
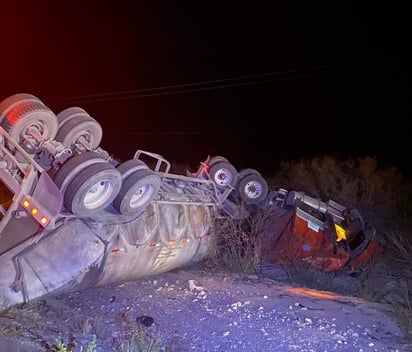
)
(377, 191)
(401, 300)
(399, 258)
(141, 341)
(238, 243)
(398, 248)
(233, 248)
(387, 285)
(60, 346)
(14, 331)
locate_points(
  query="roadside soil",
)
(192, 309)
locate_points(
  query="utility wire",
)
(239, 81)
(210, 84)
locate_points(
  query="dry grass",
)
(398, 249)
(399, 257)
(237, 244)
(140, 341)
(60, 346)
(12, 331)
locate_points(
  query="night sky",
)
(254, 83)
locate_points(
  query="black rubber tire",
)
(22, 112)
(138, 190)
(246, 172)
(217, 158)
(6, 103)
(223, 174)
(79, 125)
(73, 166)
(129, 166)
(253, 188)
(92, 189)
(67, 114)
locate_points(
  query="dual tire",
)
(252, 187)
(76, 126)
(28, 121)
(89, 183)
(24, 116)
(249, 183)
(139, 187)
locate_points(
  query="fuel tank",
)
(105, 249)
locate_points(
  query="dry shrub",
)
(398, 248)
(12, 331)
(401, 301)
(303, 274)
(237, 244)
(377, 191)
(140, 341)
(390, 281)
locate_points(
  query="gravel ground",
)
(192, 310)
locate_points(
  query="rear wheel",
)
(246, 172)
(252, 187)
(138, 190)
(28, 121)
(73, 166)
(223, 174)
(216, 159)
(92, 189)
(7, 104)
(86, 187)
(77, 126)
(129, 166)
(68, 113)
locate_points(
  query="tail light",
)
(39, 214)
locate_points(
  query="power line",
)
(210, 84)
(238, 81)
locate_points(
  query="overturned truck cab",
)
(324, 235)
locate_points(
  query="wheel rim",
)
(30, 120)
(223, 177)
(98, 194)
(42, 126)
(141, 196)
(253, 189)
(137, 191)
(7, 104)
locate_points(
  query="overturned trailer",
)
(71, 217)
